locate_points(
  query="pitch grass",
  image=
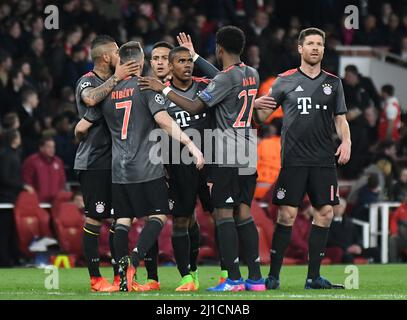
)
(375, 282)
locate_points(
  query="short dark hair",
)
(352, 69)
(101, 40)
(310, 32)
(97, 42)
(130, 51)
(176, 50)
(44, 140)
(4, 55)
(9, 119)
(162, 44)
(27, 92)
(389, 89)
(232, 39)
(9, 136)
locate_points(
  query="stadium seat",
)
(69, 228)
(261, 220)
(61, 197)
(264, 246)
(31, 221)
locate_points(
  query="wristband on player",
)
(195, 57)
(166, 90)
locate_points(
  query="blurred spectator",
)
(64, 143)
(36, 57)
(6, 63)
(390, 118)
(366, 195)
(343, 234)
(393, 34)
(371, 35)
(44, 171)
(76, 66)
(360, 91)
(12, 94)
(13, 41)
(398, 232)
(400, 187)
(11, 121)
(11, 185)
(29, 120)
(268, 157)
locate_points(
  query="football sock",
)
(249, 238)
(121, 241)
(91, 248)
(150, 262)
(148, 236)
(194, 238)
(228, 245)
(317, 243)
(115, 266)
(221, 261)
(281, 240)
(181, 246)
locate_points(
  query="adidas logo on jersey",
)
(229, 200)
(299, 89)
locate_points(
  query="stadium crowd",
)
(39, 69)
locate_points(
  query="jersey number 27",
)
(246, 94)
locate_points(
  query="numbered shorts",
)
(320, 183)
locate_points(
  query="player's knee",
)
(324, 216)
(93, 221)
(181, 223)
(244, 212)
(223, 214)
(124, 221)
(161, 217)
(286, 217)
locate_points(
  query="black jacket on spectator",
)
(10, 174)
(343, 233)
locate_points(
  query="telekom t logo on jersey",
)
(304, 104)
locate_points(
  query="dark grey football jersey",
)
(183, 118)
(129, 114)
(309, 107)
(232, 93)
(95, 151)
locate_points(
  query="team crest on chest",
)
(327, 88)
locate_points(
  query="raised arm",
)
(165, 121)
(206, 67)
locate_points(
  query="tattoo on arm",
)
(99, 93)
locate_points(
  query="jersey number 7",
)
(245, 94)
(127, 106)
